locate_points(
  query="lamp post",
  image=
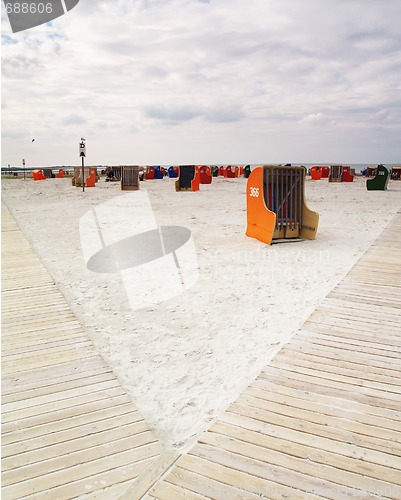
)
(82, 154)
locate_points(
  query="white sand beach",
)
(185, 359)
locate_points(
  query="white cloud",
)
(317, 119)
(205, 80)
(73, 120)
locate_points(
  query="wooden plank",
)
(68, 427)
(66, 325)
(375, 463)
(354, 345)
(25, 445)
(13, 385)
(33, 343)
(87, 464)
(316, 410)
(32, 421)
(351, 432)
(220, 481)
(374, 292)
(104, 485)
(35, 362)
(206, 486)
(353, 370)
(53, 406)
(305, 483)
(168, 491)
(360, 307)
(382, 341)
(31, 311)
(21, 353)
(374, 298)
(342, 390)
(132, 435)
(297, 459)
(45, 333)
(389, 324)
(315, 422)
(356, 415)
(59, 387)
(149, 477)
(337, 353)
(321, 318)
(54, 428)
(393, 391)
(315, 427)
(37, 326)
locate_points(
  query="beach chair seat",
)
(347, 175)
(230, 172)
(158, 174)
(129, 177)
(276, 208)
(205, 174)
(188, 178)
(173, 172)
(380, 182)
(316, 173)
(38, 175)
(47, 172)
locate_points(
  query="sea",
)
(358, 167)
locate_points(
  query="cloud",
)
(220, 71)
(225, 113)
(8, 40)
(170, 113)
(73, 120)
(317, 119)
(21, 67)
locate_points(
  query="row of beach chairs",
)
(275, 195)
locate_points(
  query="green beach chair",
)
(379, 183)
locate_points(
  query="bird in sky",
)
(33, 140)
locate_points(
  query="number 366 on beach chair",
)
(276, 207)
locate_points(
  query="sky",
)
(169, 82)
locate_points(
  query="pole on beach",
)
(82, 154)
(23, 166)
(83, 174)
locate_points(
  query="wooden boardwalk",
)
(68, 428)
(323, 419)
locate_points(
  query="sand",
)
(185, 359)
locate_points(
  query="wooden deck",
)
(68, 428)
(323, 419)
